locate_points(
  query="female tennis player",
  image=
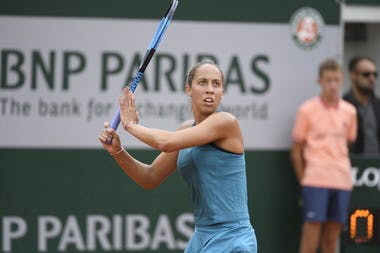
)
(208, 152)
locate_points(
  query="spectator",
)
(363, 75)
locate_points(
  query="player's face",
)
(206, 89)
(331, 82)
(364, 77)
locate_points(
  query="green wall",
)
(267, 11)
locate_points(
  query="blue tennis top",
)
(217, 182)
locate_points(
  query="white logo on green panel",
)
(307, 27)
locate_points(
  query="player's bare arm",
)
(220, 127)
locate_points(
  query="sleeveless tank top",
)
(217, 182)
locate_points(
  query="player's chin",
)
(207, 110)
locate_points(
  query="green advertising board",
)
(80, 201)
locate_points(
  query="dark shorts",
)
(229, 237)
(323, 204)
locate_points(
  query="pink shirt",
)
(325, 131)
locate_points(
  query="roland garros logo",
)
(307, 27)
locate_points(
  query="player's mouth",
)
(208, 100)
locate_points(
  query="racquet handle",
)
(115, 120)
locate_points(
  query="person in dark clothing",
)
(363, 75)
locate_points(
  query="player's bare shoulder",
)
(226, 118)
(225, 123)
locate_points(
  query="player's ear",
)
(188, 89)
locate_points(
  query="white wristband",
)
(117, 152)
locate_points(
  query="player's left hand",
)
(128, 113)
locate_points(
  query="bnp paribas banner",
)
(64, 64)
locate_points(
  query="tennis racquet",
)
(164, 23)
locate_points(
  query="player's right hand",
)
(109, 138)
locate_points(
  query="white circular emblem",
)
(307, 27)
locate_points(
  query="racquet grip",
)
(115, 123)
(116, 120)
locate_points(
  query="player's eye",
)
(202, 82)
(217, 83)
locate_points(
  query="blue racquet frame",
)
(165, 21)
